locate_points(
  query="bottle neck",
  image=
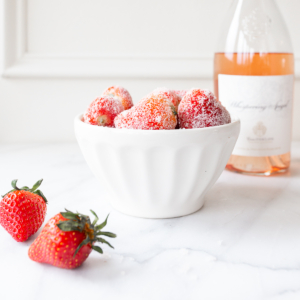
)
(254, 26)
(266, 6)
(257, 7)
(256, 2)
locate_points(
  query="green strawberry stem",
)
(82, 223)
(26, 188)
(174, 110)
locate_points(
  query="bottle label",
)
(264, 106)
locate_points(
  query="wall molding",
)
(78, 66)
(18, 63)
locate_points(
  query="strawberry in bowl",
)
(121, 94)
(102, 111)
(154, 112)
(200, 108)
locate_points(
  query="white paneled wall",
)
(60, 54)
(116, 27)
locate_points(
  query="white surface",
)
(264, 106)
(146, 170)
(243, 244)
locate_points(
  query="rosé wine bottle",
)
(254, 80)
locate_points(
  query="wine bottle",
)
(254, 80)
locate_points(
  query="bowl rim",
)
(78, 120)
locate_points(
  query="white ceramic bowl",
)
(157, 173)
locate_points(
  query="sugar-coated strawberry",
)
(169, 94)
(23, 211)
(102, 111)
(67, 240)
(121, 94)
(180, 93)
(155, 112)
(200, 108)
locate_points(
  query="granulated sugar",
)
(200, 108)
(155, 112)
(121, 94)
(102, 111)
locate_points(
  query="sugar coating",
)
(200, 108)
(154, 112)
(102, 111)
(169, 94)
(121, 94)
(180, 93)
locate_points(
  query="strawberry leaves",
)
(26, 188)
(82, 223)
(98, 249)
(109, 234)
(70, 215)
(84, 242)
(103, 241)
(68, 226)
(102, 225)
(36, 185)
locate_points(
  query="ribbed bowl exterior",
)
(157, 174)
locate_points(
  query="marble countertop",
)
(243, 244)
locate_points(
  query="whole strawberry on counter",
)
(23, 211)
(67, 240)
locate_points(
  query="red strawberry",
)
(171, 95)
(200, 108)
(121, 94)
(23, 211)
(102, 111)
(67, 240)
(180, 93)
(154, 112)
